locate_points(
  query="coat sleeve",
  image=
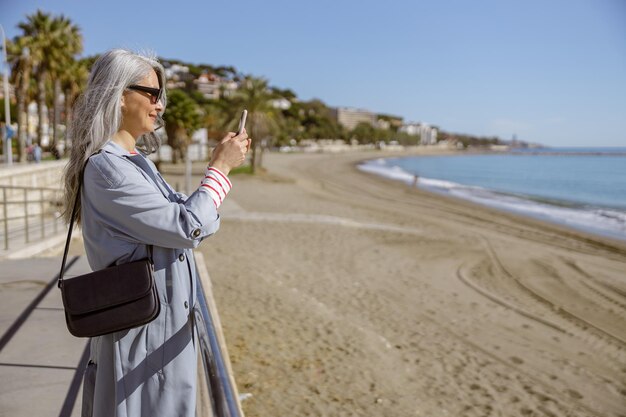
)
(121, 198)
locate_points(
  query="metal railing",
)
(219, 392)
(29, 211)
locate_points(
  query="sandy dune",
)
(344, 294)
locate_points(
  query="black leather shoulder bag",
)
(116, 298)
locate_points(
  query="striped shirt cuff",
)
(216, 184)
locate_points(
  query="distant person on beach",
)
(415, 180)
(126, 206)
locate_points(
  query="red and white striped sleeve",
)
(216, 184)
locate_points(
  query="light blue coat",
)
(148, 371)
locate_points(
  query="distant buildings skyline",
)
(213, 86)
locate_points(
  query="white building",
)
(175, 70)
(427, 134)
(281, 103)
(175, 75)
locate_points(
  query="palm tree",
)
(53, 42)
(254, 95)
(68, 43)
(37, 32)
(73, 81)
(21, 68)
(215, 118)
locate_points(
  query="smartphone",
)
(242, 121)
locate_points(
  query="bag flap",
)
(108, 287)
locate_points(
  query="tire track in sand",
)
(607, 341)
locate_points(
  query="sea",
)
(583, 188)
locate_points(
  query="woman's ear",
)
(122, 103)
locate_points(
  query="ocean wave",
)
(600, 220)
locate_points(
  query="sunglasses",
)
(155, 93)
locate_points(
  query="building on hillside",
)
(350, 117)
(281, 103)
(427, 134)
(212, 86)
(385, 121)
(175, 75)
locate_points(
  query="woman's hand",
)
(231, 151)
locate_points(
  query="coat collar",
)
(142, 163)
(116, 149)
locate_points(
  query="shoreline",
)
(511, 208)
(598, 238)
(360, 296)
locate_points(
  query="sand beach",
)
(345, 294)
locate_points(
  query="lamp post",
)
(8, 153)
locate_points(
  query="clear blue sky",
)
(550, 71)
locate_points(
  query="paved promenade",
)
(40, 362)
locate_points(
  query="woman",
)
(125, 205)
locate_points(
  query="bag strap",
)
(69, 232)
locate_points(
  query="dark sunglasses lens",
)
(154, 93)
(155, 96)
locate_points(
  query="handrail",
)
(22, 187)
(26, 201)
(222, 393)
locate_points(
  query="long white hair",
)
(98, 113)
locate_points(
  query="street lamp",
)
(8, 154)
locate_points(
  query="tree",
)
(69, 43)
(254, 95)
(215, 118)
(317, 120)
(21, 68)
(73, 81)
(52, 42)
(12, 108)
(37, 35)
(364, 133)
(182, 118)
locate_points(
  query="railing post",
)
(26, 214)
(6, 218)
(43, 220)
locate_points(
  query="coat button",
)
(181, 257)
(186, 304)
(195, 233)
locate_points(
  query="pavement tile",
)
(38, 363)
(28, 392)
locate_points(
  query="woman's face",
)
(139, 114)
